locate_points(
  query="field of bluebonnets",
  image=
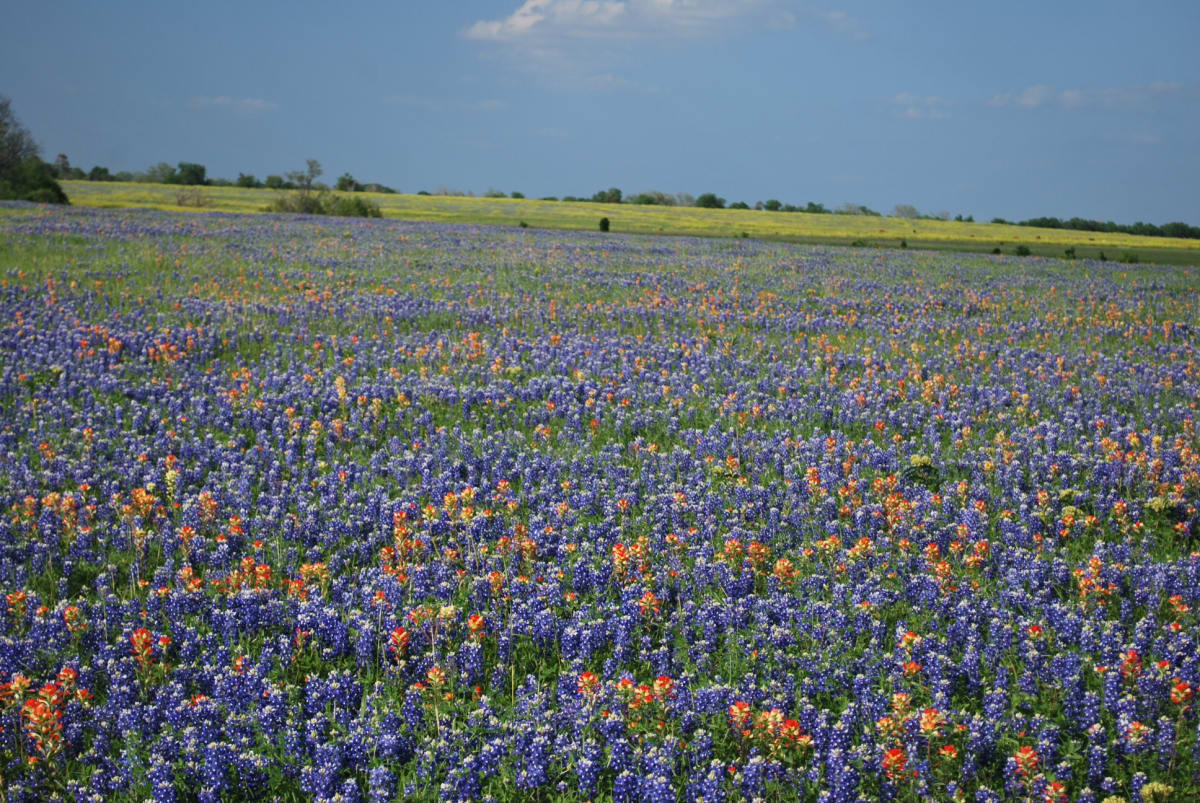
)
(360, 510)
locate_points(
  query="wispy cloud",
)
(239, 104)
(574, 43)
(621, 19)
(842, 23)
(435, 104)
(918, 107)
(1041, 95)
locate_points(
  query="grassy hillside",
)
(788, 226)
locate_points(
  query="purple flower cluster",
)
(362, 510)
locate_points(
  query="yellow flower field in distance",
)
(636, 219)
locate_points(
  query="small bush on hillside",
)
(1022, 251)
(324, 203)
(603, 224)
(192, 197)
(342, 206)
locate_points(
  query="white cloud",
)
(241, 104)
(573, 17)
(1041, 95)
(575, 43)
(918, 107)
(613, 19)
(842, 23)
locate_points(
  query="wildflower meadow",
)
(364, 510)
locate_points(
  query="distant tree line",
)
(1175, 229)
(194, 174)
(24, 176)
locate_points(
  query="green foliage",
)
(188, 174)
(63, 169)
(1022, 251)
(1129, 257)
(247, 180)
(710, 200)
(274, 182)
(739, 205)
(304, 179)
(1175, 229)
(347, 183)
(515, 194)
(312, 198)
(652, 198)
(342, 206)
(32, 180)
(99, 173)
(1069, 253)
(772, 205)
(23, 176)
(604, 224)
(609, 196)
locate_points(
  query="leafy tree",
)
(710, 201)
(247, 180)
(816, 209)
(99, 173)
(907, 211)
(304, 179)
(16, 143)
(516, 194)
(739, 205)
(609, 196)
(347, 183)
(189, 174)
(161, 173)
(63, 170)
(24, 176)
(274, 182)
(604, 224)
(773, 205)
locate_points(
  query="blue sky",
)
(1002, 109)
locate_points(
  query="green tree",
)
(24, 176)
(99, 173)
(247, 180)
(347, 183)
(190, 174)
(772, 205)
(161, 173)
(609, 196)
(710, 201)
